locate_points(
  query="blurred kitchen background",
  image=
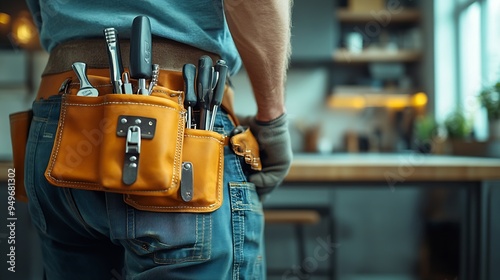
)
(368, 79)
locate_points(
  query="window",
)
(491, 55)
(470, 63)
(467, 57)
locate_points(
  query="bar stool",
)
(299, 218)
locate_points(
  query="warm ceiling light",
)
(24, 31)
(4, 19)
(4, 24)
(419, 99)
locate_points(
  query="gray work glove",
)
(275, 152)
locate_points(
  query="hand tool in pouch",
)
(204, 87)
(115, 59)
(221, 70)
(127, 86)
(86, 89)
(154, 79)
(140, 52)
(189, 74)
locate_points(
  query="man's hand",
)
(275, 152)
(261, 32)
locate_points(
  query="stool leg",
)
(299, 231)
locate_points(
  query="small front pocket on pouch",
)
(204, 151)
(142, 152)
(90, 150)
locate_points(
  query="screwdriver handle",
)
(189, 75)
(204, 79)
(221, 69)
(204, 87)
(115, 59)
(140, 48)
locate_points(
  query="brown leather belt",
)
(170, 55)
(58, 76)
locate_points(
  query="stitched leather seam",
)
(178, 151)
(120, 103)
(204, 137)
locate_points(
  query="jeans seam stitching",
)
(72, 204)
(31, 155)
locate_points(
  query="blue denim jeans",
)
(95, 235)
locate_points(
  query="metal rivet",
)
(187, 166)
(133, 165)
(121, 130)
(138, 121)
(150, 122)
(133, 158)
(188, 194)
(123, 120)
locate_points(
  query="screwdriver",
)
(127, 86)
(140, 52)
(154, 79)
(115, 59)
(189, 74)
(221, 70)
(204, 87)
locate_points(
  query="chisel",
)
(189, 74)
(140, 52)
(221, 70)
(204, 87)
(115, 59)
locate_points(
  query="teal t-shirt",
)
(199, 23)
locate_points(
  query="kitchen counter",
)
(396, 167)
(380, 167)
(473, 177)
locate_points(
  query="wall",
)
(378, 231)
(20, 74)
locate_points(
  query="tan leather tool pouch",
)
(138, 146)
(19, 129)
(245, 145)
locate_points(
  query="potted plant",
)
(458, 126)
(490, 100)
(425, 132)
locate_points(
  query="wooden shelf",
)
(358, 97)
(376, 55)
(360, 90)
(384, 17)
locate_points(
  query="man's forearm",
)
(261, 32)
